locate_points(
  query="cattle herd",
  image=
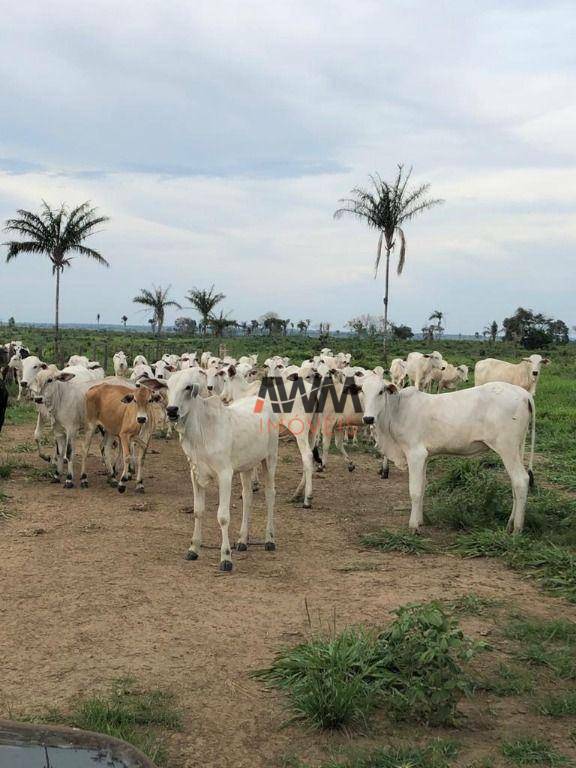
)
(229, 414)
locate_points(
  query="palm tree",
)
(157, 300)
(386, 208)
(55, 233)
(437, 315)
(219, 323)
(204, 303)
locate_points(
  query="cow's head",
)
(183, 389)
(375, 393)
(147, 391)
(31, 367)
(535, 362)
(46, 385)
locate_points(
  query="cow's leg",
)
(417, 484)
(246, 479)
(224, 493)
(199, 507)
(305, 486)
(354, 435)
(141, 450)
(384, 471)
(38, 438)
(520, 481)
(89, 434)
(269, 466)
(109, 457)
(69, 460)
(255, 479)
(126, 456)
(60, 446)
(339, 441)
(326, 432)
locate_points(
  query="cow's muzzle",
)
(534, 373)
(172, 412)
(141, 419)
(368, 419)
(38, 400)
(24, 384)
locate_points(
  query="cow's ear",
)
(378, 370)
(43, 365)
(154, 384)
(231, 370)
(359, 373)
(391, 389)
(127, 398)
(545, 361)
(427, 355)
(170, 368)
(65, 376)
(292, 377)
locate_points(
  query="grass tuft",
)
(413, 669)
(397, 541)
(436, 754)
(562, 705)
(128, 713)
(473, 604)
(530, 751)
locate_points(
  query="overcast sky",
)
(219, 136)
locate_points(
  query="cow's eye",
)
(381, 392)
(49, 381)
(188, 388)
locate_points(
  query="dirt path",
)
(104, 592)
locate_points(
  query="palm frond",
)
(378, 255)
(402, 254)
(90, 253)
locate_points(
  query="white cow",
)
(140, 370)
(398, 372)
(16, 365)
(410, 426)
(419, 367)
(120, 363)
(524, 374)
(188, 360)
(163, 370)
(78, 360)
(62, 393)
(219, 440)
(139, 360)
(452, 375)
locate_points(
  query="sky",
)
(219, 136)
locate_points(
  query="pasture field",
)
(296, 659)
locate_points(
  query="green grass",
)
(436, 754)
(531, 751)
(561, 705)
(397, 541)
(551, 565)
(507, 681)
(128, 713)
(412, 669)
(472, 604)
(549, 644)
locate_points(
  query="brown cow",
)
(126, 413)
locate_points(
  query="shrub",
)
(421, 654)
(412, 669)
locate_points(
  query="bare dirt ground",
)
(93, 586)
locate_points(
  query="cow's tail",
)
(532, 409)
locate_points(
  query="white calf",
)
(219, 440)
(524, 374)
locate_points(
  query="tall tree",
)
(204, 302)
(156, 300)
(437, 315)
(220, 322)
(56, 233)
(387, 208)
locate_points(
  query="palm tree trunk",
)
(57, 318)
(386, 287)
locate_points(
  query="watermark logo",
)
(313, 399)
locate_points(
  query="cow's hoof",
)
(270, 546)
(297, 497)
(255, 487)
(191, 555)
(55, 479)
(83, 483)
(121, 488)
(139, 489)
(384, 473)
(113, 482)
(241, 546)
(351, 467)
(68, 484)
(307, 505)
(320, 468)
(226, 566)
